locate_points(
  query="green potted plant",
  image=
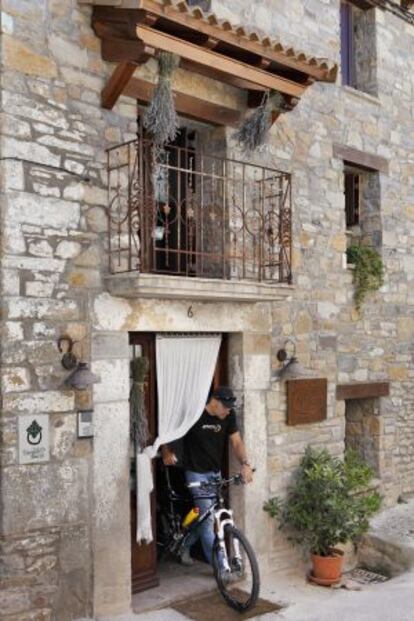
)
(368, 270)
(328, 503)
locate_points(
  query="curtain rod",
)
(188, 335)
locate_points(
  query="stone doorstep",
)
(388, 547)
(136, 285)
(166, 614)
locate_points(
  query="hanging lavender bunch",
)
(161, 117)
(254, 129)
(138, 417)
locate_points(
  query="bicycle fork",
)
(224, 517)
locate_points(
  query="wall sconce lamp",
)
(81, 377)
(291, 368)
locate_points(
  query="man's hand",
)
(168, 457)
(247, 473)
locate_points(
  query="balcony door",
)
(173, 232)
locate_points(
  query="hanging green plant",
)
(368, 272)
(161, 118)
(138, 417)
(255, 128)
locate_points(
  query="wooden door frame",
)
(143, 580)
(150, 578)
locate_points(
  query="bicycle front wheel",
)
(240, 584)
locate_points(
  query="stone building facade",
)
(65, 532)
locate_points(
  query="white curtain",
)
(185, 368)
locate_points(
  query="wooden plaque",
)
(306, 400)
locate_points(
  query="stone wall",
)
(53, 137)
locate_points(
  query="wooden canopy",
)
(132, 31)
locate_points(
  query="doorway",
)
(144, 562)
(364, 431)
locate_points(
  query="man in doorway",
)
(203, 452)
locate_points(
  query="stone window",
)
(362, 205)
(358, 46)
(352, 203)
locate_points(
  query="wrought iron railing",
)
(196, 215)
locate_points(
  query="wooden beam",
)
(233, 38)
(368, 161)
(116, 50)
(116, 84)
(222, 64)
(214, 74)
(124, 50)
(187, 105)
(362, 390)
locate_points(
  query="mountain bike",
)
(234, 562)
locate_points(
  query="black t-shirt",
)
(204, 443)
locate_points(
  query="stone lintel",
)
(362, 390)
(369, 161)
(135, 285)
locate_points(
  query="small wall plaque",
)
(33, 438)
(306, 400)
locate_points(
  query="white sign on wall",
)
(33, 438)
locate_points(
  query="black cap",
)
(225, 395)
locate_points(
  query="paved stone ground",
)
(390, 601)
(392, 530)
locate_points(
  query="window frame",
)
(347, 44)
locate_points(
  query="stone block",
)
(22, 106)
(68, 53)
(112, 574)
(257, 371)
(97, 219)
(106, 345)
(54, 212)
(13, 601)
(114, 376)
(11, 282)
(32, 308)
(13, 331)
(68, 249)
(40, 402)
(43, 330)
(89, 257)
(16, 379)
(29, 150)
(63, 435)
(327, 310)
(254, 344)
(49, 494)
(46, 190)
(67, 146)
(110, 312)
(12, 175)
(397, 373)
(39, 289)
(19, 57)
(304, 323)
(84, 278)
(328, 341)
(35, 264)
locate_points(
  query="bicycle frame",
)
(222, 518)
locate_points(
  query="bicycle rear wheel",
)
(239, 586)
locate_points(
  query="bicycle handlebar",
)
(236, 479)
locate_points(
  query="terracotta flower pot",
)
(328, 568)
